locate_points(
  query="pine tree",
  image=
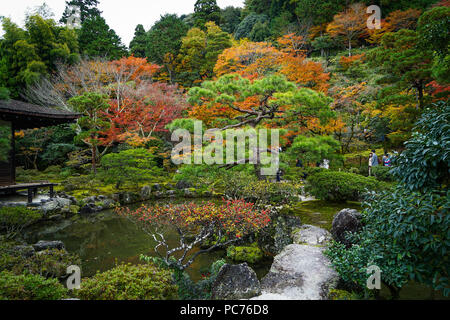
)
(88, 9)
(98, 40)
(139, 42)
(205, 11)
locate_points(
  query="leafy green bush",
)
(340, 186)
(406, 235)
(14, 219)
(128, 282)
(30, 287)
(260, 191)
(406, 230)
(383, 174)
(129, 166)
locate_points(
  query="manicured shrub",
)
(340, 186)
(383, 174)
(129, 167)
(128, 282)
(261, 191)
(29, 287)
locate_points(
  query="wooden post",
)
(30, 195)
(13, 154)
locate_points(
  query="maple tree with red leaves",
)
(143, 113)
(196, 225)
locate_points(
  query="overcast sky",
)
(121, 15)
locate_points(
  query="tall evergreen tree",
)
(231, 17)
(98, 40)
(88, 9)
(139, 42)
(164, 42)
(205, 11)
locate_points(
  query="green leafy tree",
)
(90, 105)
(138, 45)
(199, 52)
(405, 231)
(130, 166)
(434, 32)
(408, 65)
(97, 39)
(231, 17)
(164, 42)
(260, 32)
(314, 149)
(244, 29)
(205, 11)
(88, 9)
(30, 53)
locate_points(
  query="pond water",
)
(106, 239)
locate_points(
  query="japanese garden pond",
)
(106, 239)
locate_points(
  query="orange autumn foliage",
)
(254, 60)
(347, 62)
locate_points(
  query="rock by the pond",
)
(146, 192)
(90, 208)
(189, 193)
(311, 235)
(347, 220)
(183, 185)
(235, 282)
(278, 234)
(56, 205)
(299, 272)
(24, 251)
(45, 245)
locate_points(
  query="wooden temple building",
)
(14, 116)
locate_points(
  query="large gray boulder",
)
(299, 272)
(347, 220)
(235, 282)
(45, 245)
(56, 205)
(146, 192)
(311, 235)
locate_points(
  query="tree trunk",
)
(349, 47)
(94, 159)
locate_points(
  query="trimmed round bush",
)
(128, 282)
(340, 186)
(30, 287)
(383, 174)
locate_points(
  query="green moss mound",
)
(128, 282)
(245, 254)
(30, 287)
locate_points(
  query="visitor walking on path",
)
(374, 159)
(386, 160)
(370, 163)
